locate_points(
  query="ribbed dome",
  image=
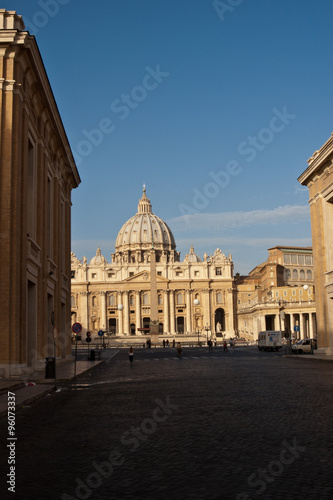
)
(192, 256)
(98, 259)
(145, 229)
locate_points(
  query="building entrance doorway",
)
(112, 326)
(180, 324)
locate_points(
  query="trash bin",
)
(50, 367)
(92, 355)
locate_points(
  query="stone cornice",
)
(317, 160)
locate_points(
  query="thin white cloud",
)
(225, 220)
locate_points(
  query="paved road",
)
(238, 425)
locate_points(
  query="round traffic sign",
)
(101, 333)
(88, 339)
(77, 328)
(296, 328)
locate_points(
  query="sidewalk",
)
(26, 394)
(311, 357)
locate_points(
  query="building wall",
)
(37, 174)
(278, 295)
(178, 285)
(318, 177)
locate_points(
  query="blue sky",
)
(216, 106)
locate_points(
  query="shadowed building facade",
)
(318, 177)
(189, 295)
(37, 174)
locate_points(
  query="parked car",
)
(304, 345)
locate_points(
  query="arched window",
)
(145, 299)
(287, 274)
(132, 300)
(73, 304)
(179, 298)
(219, 298)
(160, 300)
(112, 300)
(197, 296)
(94, 301)
(309, 274)
(295, 274)
(302, 274)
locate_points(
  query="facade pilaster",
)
(311, 325)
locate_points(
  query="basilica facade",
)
(194, 295)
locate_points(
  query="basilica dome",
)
(144, 231)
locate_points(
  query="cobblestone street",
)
(222, 425)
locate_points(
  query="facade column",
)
(188, 311)
(120, 316)
(85, 311)
(311, 325)
(103, 307)
(137, 311)
(206, 297)
(172, 311)
(126, 313)
(263, 323)
(166, 312)
(292, 324)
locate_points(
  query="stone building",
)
(318, 177)
(278, 295)
(37, 174)
(117, 296)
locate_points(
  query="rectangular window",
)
(301, 260)
(294, 258)
(218, 271)
(196, 273)
(286, 258)
(72, 274)
(131, 274)
(111, 275)
(93, 276)
(308, 260)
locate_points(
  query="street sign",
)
(77, 328)
(88, 339)
(100, 333)
(296, 328)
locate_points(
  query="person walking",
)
(179, 350)
(225, 347)
(131, 354)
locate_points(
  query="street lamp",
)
(207, 328)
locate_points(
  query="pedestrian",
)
(173, 343)
(210, 345)
(131, 354)
(179, 350)
(163, 342)
(167, 342)
(225, 347)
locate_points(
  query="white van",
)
(270, 340)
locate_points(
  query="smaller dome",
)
(98, 260)
(192, 256)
